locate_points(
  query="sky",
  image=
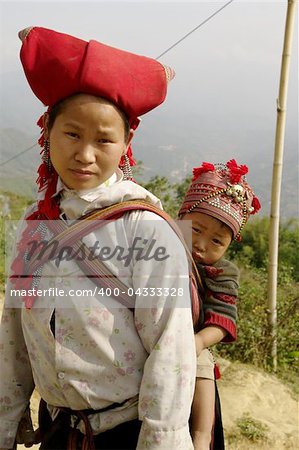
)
(227, 72)
(243, 42)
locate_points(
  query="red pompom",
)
(256, 205)
(205, 167)
(235, 171)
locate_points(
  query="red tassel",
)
(43, 176)
(130, 156)
(48, 208)
(235, 171)
(40, 123)
(256, 205)
(205, 167)
(217, 372)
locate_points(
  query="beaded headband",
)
(222, 191)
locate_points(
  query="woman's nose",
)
(85, 154)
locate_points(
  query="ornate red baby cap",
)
(221, 191)
(58, 65)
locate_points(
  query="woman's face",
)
(87, 140)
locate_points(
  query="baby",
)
(219, 202)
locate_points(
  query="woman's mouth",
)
(82, 174)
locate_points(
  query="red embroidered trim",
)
(227, 324)
(226, 298)
(212, 272)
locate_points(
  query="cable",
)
(19, 154)
(158, 57)
(194, 29)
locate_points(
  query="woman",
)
(109, 376)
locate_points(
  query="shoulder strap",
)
(100, 273)
(134, 205)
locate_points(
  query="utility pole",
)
(276, 178)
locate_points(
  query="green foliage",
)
(16, 207)
(161, 187)
(181, 189)
(253, 250)
(253, 343)
(171, 195)
(252, 429)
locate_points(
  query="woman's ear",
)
(130, 137)
(46, 125)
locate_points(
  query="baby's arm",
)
(209, 336)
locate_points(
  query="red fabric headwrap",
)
(58, 65)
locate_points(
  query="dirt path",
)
(265, 400)
(262, 397)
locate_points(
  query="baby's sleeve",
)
(220, 305)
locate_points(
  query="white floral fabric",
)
(101, 352)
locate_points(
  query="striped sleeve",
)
(221, 291)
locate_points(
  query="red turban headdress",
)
(58, 65)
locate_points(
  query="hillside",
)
(170, 153)
(259, 411)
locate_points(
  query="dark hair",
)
(58, 107)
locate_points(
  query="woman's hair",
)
(58, 108)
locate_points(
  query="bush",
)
(253, 343)
(16, 206)
(252, 429)
(254, 248)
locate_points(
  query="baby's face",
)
(210, 237)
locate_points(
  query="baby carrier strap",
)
(99, 272)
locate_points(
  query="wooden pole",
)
(276, 179)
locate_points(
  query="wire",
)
(194, 29)
(158, 57)
(19, 154)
